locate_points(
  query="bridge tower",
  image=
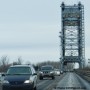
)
(72, 34)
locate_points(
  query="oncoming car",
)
(20, 77)
(46, 71)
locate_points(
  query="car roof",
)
(21, 66)
(47, 66)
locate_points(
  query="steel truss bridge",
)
(72, 34)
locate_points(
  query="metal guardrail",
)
(84, 74)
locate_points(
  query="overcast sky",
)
(30, 29)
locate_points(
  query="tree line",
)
(5, 64)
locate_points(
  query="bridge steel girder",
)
(72, 34)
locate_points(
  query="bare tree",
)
(4, 63)
(55, 64)
(19, 62)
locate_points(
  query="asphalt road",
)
(48, 83)
(72, 82)
(67, 81)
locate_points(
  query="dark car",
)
(46, 71)
(20, 77)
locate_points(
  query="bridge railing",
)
(84, 73)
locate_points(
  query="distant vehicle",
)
(46, 71)
(61, 72)
(20, 77)
(57, 72)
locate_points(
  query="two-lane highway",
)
(67, 81)
(46, 83)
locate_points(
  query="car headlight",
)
(41, 72)
(28, 81)
(5, 81)
(51, 72)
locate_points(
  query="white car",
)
(57, 72)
